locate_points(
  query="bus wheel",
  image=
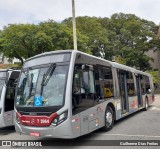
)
(109, 119)
(146, 104)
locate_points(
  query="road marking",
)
(125, 135)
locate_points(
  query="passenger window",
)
(98, 83)
(108, 82)
(143, 86)
(130, 84)
(147, 84)
(77, 83)
(83, 91)
(104, 82)
(88, 82)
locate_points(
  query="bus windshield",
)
(42, 87)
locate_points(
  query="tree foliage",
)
(155, 76)
(92, 28)
(122, 37)
(26, 40)
(130, 37)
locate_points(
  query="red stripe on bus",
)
(31, 120)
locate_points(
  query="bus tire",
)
(146, 104)
(109, 119)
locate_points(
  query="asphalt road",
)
(143, 125)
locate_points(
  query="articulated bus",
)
(8, 78)
(67, 94)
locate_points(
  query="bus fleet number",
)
(43, 121)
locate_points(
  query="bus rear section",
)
(8, 80)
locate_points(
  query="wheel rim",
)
(109, 118)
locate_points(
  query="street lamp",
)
(74, 25)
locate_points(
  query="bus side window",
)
(148, 87)
(83, 91)
(76, 84)
(107, 82)
(145, 84)
(143, 87)
(88, 82)
(130, 84)
(98, 83)
(104, 82)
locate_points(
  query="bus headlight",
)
(60, 118)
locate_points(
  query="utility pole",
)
(74, 25)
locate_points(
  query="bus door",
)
(83, 99)
(9, 98)
(123, 91)
(139, 90)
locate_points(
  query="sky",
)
(35, 11)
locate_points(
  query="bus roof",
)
(121, 66)
(49, 53)
(113, 64)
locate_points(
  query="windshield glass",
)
(42, 86)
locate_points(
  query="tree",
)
(130, 37)
(124, 37)
(16, 41)
(62, 36)
(26, 40)
(90, 27)
(155, 76)
(156, 40)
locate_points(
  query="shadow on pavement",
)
(83, 140)
(7, 130)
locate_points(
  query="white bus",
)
(67, 94)
(8, 79)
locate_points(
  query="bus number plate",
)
(35, 134)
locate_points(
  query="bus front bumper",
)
(61, 131)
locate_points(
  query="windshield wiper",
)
(47, 76)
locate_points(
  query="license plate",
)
(35, 134)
